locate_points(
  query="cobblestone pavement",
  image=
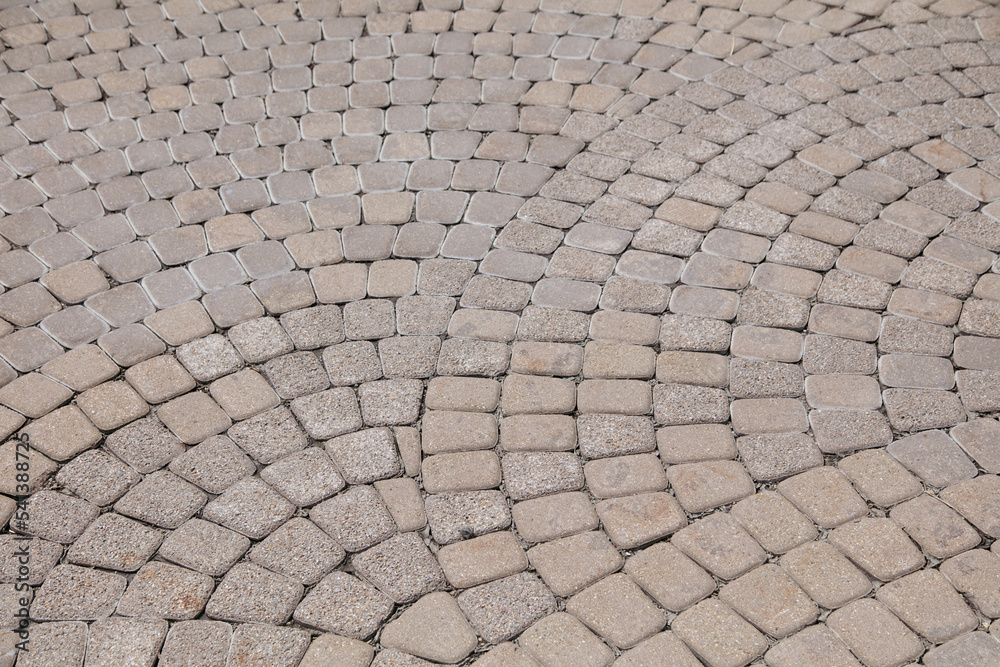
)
(522, 333)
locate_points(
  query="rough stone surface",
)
(481, 303)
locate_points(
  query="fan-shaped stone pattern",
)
(512, 332)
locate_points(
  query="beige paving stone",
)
(569, 564)
(617, 609)
(482, 559)
(432, 628)
(825, 495)
(769, 599)
(701, 627)
(561, 637)
(928, 604)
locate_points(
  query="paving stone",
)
(874, 634)
(451, 515)
(618, 610)
(773, 522)
(561, 636)
(204, 547)
(769, 599)
(356, 519)
(166, 591)
(813, 643)
(551, 517)
(433, 628)
(719, 544)
(698, 627)
(74, 593)
(703, 486)
(503, 609)
(879, 477)
(273, 599)
(934, 457)
(972, 648)
(913, 598)
(824, 495)
(205, 640)
(344, 605)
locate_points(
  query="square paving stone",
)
(975, 574)
(114, 542)
(561, 637)
(825, 495)
(365, 456)
(329, 413)
(874, 634)
(356, 519)
(813, 645)
(313, 328)
(161, 590)
(299, 550)
(454, 516)
(250, 594)
(825, 574)
(637, 520)
(390, 402)
(402, 567)
(878, 546)
(72, 593)
(719, 544)
(529, 475)
(160, 379)
(60, 643)
(330, 649)
(879, 477)
(980, 439)
(193, 417)
(937, 528)
(305, 478)
(771, 457)
(112, 405)
(669, 577)
(569, 564)
(265, 644)
(43, 556)
(249, 507)
(260, 339)
(296, 374)
(625, 475)
(432, 628)
(214, 465)
(62, 434)
(702, 626)
(112, 641)
(927, 603)
(244, 394)
(504, 608)
(162, 499)
(482, 559)
(145, 445)
(774, 522)
(270, 435)
(617, 609)
(974, 648)
(665, 647)
(704, 486)
(769, 599)
(700, 442)
(344, 605)
(978, 500)
(205, 641)
(840, 431)
(934, 457)
(209, 358)
(56, 517)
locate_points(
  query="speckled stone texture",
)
(386, 333)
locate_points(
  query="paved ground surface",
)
(527, 333)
